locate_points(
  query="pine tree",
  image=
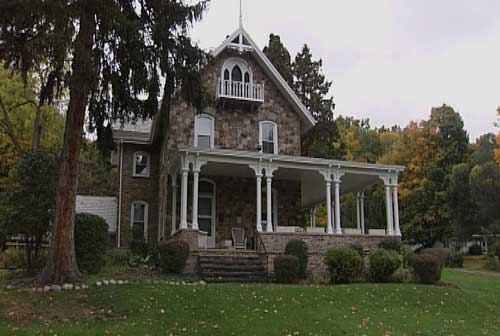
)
(108, 54)
(278, 54)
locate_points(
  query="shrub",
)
(13, 258)
(383, 264)
(427, 268)
(408, 255)
(441, 253)
(117, 257)
(173, 256)
(138, 245)
(496, 248)
(455, 260)
(91, 242)
(298, 248)
(345, 264)
(359, 248)
(390, 244)
(287, 268)
(475, 250)
(492, 264)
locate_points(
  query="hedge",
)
(298, 248)
(91, 242)
(286, 268)
(383, 264)
(173, 256)
(345, 264)
(427, 268)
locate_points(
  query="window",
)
(237, 70)
(236, 74)
(139, 220)
(204, 131)
(141, 164)
(268, 137)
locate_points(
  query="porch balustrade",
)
(240, 90)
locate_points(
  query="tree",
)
(323, 141)
(32, 201)
(97, 175)
(279, 56)
(461, 202)
(118, 51)
(484, 149)
(485, 188)
(497, 150)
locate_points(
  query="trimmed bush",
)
(427, 268)
(496, 248)
(455, 260)
(298, 248)
(383, 264)
(441, 253)
(345, 265)
(408, 255)
(173, 256)
(287, 268)
(359, 248)
(390, 244)
(91, 242)
(475, 250)
(492, 264)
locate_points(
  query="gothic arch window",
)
(236, 75)
(247, 77)
(226, 74)
(237, 69)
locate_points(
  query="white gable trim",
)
(273, 73)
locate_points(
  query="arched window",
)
(226, 74)
(139, 220)
(141, 165)
(268, 137)
(247, 77)
(236, 75)
(204, 131)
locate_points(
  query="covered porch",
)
(270, 195)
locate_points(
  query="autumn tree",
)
(118, 52)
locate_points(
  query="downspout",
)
(118, 228)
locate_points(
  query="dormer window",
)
(268, 137)
(141, 164)
(204, 131)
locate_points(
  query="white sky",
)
(389, 60)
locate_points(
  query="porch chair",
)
(239, 239)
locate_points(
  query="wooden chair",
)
(239, 239)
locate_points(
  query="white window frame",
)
(197, 131)
(230, 63)
(146, 216)
(275, 136)
(148, 167)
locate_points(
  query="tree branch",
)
(7, 126)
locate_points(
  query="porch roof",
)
(311, 172)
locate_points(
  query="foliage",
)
(138, 244)
(455, 260)
(441, 253)
(287, 269)
(323, 141)
(496, 248)
(491, 263)
(383, 264)
(359, 248)
(173, 256)
(427, 268)
(96, 175)
(344, 264)
(485, 189)
(91, 242)
(461, 202)
(408, 255)
(31, 200)
(279, 56)
(298, 248)
(391, 245)
(13, 258)
(475, 250)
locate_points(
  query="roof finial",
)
(241, 16)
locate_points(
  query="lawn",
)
(471, 307)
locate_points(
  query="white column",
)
(196, 179)
(362, 210)
(329, 228)
(338, 226)
(259, 202)
(174, 203)
(184, 194)
(388, 205)
(358, 215)
(269, 181)
(396, 210)
(314, 217)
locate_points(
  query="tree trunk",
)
(61, 262)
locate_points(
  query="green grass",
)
(473, 308)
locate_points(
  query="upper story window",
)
(237, 69)
(204, 131)
(268, 137)
(141, 164)
(139, 220)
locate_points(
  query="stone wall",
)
(237, 125)
(318, 244)
(139, 189)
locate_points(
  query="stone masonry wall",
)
(318, 244)
(237, 125)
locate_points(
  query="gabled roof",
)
(241, 40)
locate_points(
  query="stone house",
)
(238, 164)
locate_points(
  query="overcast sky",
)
(390, 61)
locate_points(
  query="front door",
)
(206, 210)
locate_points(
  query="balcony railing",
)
(241, 91)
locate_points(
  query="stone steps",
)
(237, 268)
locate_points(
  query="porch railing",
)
(240, 90)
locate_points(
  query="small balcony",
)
(233, 90)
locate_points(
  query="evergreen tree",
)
(279, 56)
(117, 50)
